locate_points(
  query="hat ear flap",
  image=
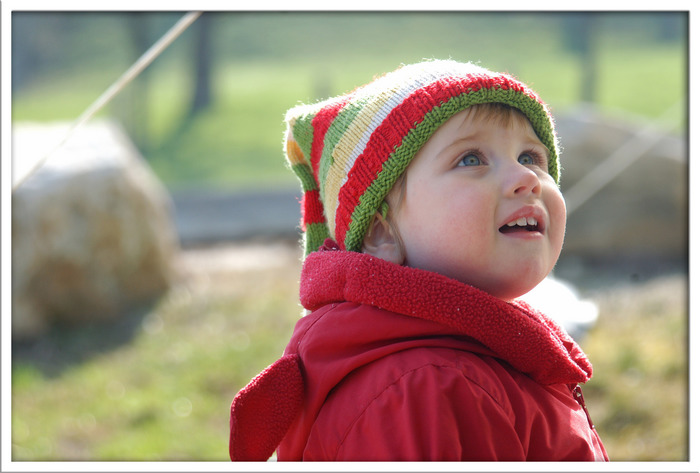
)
(313, 219)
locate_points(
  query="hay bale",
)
(92, 233)
(641, 213)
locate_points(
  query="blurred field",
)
(158, 384)
(638, 396)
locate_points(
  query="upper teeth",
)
(522, 222)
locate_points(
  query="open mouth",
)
(523, 224)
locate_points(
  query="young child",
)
(431, 203)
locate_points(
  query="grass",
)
(638, 396)
(157, 384)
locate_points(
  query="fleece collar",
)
(525, 338)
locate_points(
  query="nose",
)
(521, 181)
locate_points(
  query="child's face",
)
(465, 189)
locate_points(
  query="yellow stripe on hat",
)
(294, 153)
(353, 143)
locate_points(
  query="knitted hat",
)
(348, 151)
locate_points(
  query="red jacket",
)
(398, 363)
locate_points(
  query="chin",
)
(511, 290)
(508, 297)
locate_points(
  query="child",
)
(431, 203)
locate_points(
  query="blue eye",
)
(533, 158)
(526, 159)
(470, 160)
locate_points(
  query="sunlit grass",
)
(64, 95)
(639, 392)
(640, 89)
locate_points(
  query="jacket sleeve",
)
(433, 413)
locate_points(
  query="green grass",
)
(643, 90)
(638, 396)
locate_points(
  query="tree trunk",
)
(579, 35)
(203, 70)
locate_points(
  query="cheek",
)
(444, 221)
(557, 215)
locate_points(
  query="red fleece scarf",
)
(262, 412)
(517, 333)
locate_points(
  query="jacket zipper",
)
(578, 395)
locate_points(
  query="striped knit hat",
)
(348, 151)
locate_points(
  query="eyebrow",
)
(464, 139)
(537, 142)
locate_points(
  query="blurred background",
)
(155, 251)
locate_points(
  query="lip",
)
(528, 211)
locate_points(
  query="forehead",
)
(498, 114)
(473, 121)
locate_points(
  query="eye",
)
(532, 158)
(526, 159)
(470, 159)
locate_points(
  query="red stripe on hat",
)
(320, 124)
(311, 208)
(389, 135)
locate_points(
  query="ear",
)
(381, 241)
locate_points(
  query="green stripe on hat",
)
(303, 133)
(305, 175)
(315, 235)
